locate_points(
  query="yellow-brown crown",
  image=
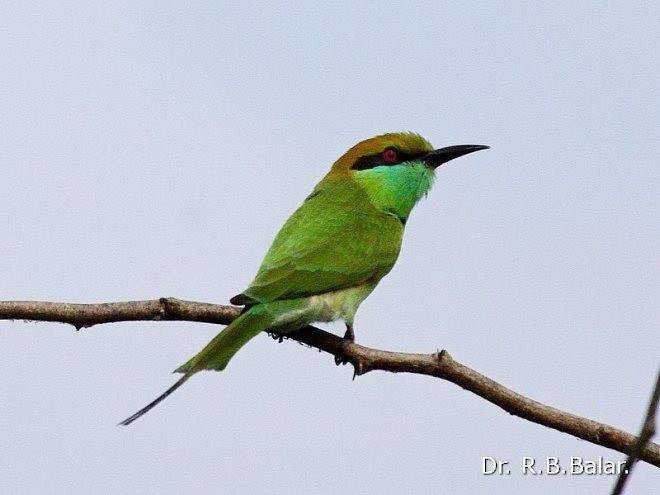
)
(407, 143)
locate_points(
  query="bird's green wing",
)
(335, 240)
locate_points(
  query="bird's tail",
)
(222, 348)
(216, 354)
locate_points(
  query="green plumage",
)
(334, 249)
(220, 350)
(351, 243)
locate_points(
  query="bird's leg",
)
(349, 336)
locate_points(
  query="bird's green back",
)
(336, 239)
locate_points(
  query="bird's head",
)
(396, 169)
(398, 148)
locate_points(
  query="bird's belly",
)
(330, 306)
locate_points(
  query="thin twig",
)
(364, 359)
(647, 432)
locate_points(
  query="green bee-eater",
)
(334, 249)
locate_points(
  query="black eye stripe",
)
(371, 161)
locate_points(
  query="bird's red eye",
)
(390, 155)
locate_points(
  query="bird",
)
(334, 249)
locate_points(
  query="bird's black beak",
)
(437, 157)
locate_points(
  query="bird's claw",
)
(349, 337)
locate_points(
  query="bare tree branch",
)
(364, 359)
(648, 430)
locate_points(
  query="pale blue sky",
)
(154, 149)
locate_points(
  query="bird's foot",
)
(350, 334)
(277, 336)
(349, 337)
